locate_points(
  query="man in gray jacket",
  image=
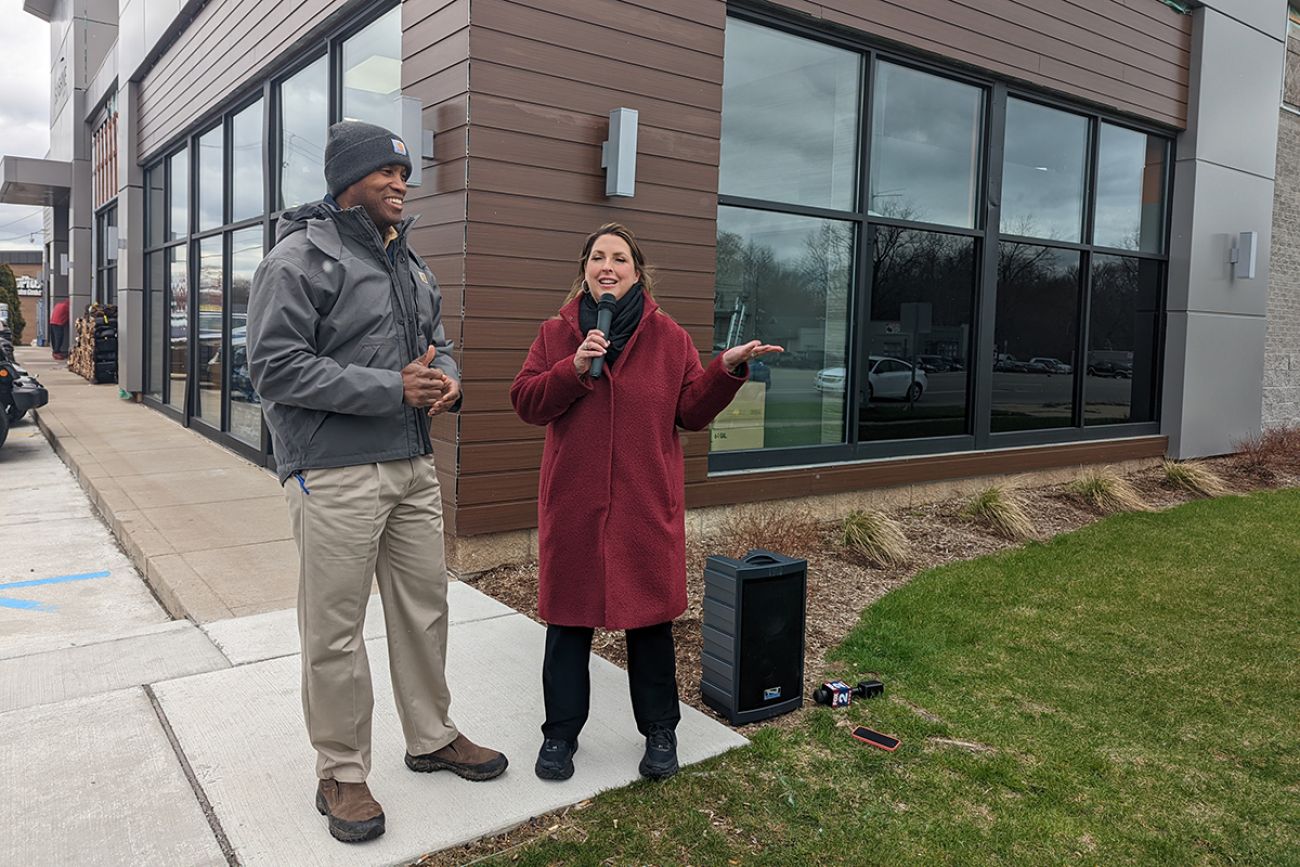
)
(347, 351)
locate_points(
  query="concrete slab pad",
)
(182, 591)
(201, 527)
(218, 484)
(275, 634)
(250, 575)
(200, 456)
(157, 653)
(254, 763)
(68, 800)
(100, 594)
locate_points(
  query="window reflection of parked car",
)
(1049, 365)
(887, 378)
(759, 372)
(1113, 369)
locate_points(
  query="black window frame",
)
(988, 237)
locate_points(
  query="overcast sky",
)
(24, 111)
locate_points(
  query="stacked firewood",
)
(94, 355)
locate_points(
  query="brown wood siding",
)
(227, 45)
(1128, 55)
(435, 70)
(544, 76)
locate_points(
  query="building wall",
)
(1128, 55)
(435, 70)
(1281, 401)
(228, 44)
(1223, 185)
(544, 75)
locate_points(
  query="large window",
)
(372, 72)
(950, 263)
(106, 255)
(925, 147)
(785, 277)
(207, 221)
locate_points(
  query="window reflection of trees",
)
(1123, 336)
(1035, 337)
(785, 279)
(922, 296)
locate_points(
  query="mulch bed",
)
(841, 584)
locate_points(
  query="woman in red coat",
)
(610, 502)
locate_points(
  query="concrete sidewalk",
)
(207, 529)
(183, 742)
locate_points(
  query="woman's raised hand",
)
(745, 353)
(592, 346)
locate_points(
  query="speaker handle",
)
(761, 559)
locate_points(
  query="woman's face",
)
(610, 268)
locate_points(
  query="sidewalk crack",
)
(214, 821)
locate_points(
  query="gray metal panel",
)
(1211, 206)
(1214, 389)
(1232, 107)
(1266, 15)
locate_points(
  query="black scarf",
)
(627, 315)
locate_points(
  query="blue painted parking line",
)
(29, 605)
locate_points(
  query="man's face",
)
(382, 193)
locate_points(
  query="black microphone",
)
(604, 318)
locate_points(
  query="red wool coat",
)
(610, 501)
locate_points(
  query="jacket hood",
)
(297, 219)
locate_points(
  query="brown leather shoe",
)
(463, 757)
(353, 812)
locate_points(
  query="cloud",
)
(24, 112)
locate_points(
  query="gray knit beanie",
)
(354, 149)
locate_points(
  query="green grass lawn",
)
(1129, 693)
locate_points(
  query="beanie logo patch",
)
(399, 147)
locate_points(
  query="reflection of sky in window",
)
(789, 118)
(1043, 172)
(1130, 195)
(925, 148)
(180, 195)
(246, 163)
(372, 73)
(786, 235)
(210, 167)
(304, 118)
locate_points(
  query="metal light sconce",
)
(618, 153)
(1242, 256)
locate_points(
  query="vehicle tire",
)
(4, 427)
(914, 392)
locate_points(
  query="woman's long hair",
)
(638, 260)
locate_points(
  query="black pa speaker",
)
(753, 632)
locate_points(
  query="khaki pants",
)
(351, 524)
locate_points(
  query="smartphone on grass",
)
(876, 739)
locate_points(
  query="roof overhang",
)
(31, 181)
(42, 9)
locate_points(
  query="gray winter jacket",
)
(333, 318)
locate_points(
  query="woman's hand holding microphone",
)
(592, 346)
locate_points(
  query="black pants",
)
(566, 678)
(59, 339)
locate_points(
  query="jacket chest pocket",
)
(378, 353)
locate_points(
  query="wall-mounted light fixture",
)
(111, 245)
(1242, 256)
(618, 153)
